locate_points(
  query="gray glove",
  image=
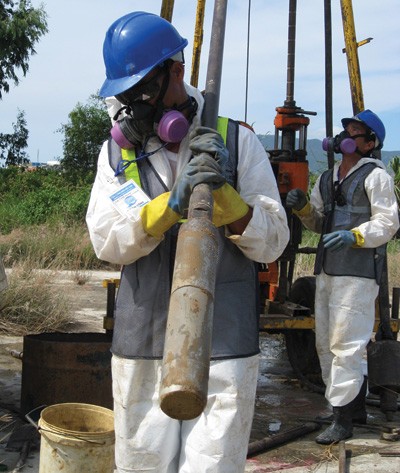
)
(207, 140)
(201, 169)
(296, 199)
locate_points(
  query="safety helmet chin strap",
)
(159, 106)
(191, 105)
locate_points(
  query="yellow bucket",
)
(76, 438)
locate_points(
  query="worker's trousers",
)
(147, 440)
(344, 321)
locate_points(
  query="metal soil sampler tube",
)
(187, 350)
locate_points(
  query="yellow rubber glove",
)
(228, 206)
(359, 238)
(157, 217)
(306, 210)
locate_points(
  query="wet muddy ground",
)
(283, 407)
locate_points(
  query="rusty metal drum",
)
(66, 367)
(384, 366)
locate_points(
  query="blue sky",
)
(68, 66)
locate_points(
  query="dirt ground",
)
(283, 423)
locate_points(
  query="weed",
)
(32, 304)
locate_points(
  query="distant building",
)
(54, 164)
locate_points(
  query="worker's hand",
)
(296, 199)
(337, 240)
(199, 170)
(207, 140)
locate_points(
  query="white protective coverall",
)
(345, 305)
(145, 436)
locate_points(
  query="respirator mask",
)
(343, 143)
(144, 120)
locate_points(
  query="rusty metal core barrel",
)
(384, 366)
(187, 350)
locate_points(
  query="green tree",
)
(394, 164)
(84, 134)
(21, 27)
(13, 145)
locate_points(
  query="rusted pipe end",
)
(183, 404)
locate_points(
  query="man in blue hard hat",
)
(158, 152)
(353, 206)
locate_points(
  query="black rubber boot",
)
(359, 412)
(340, 429)
(357, 407)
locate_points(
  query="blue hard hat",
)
(133, 46)
(373, 122)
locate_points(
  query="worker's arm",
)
(384, 221)
(239, 226)
(116, 238)
(262, 232)
(310, 212)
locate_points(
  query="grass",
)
(56, 246)
(32, 304)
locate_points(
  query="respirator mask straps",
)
(125, 163)
(122, 109)
(192, 105)
(173, 125)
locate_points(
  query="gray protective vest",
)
(359, 262)
(144, 292)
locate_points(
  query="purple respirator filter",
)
(346, 146)
(119, 137)
(173, 127)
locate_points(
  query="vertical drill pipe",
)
(214, 67)
(328, 78)
(197, 42)
(352, 56)
(167, 9)
(187, 348)
(247, 60)
(291, 54)
(288, 139)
